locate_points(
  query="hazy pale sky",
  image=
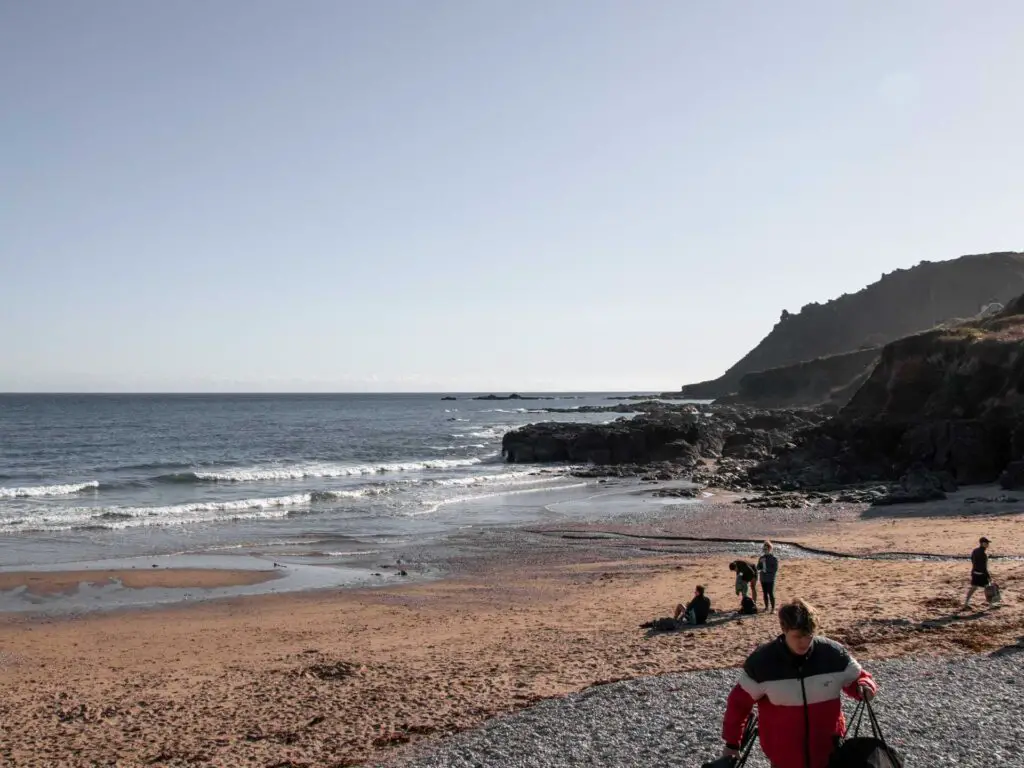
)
(533, 195)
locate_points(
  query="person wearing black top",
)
(768, 567)
(746, 576)
(696, 611)
(979, 570)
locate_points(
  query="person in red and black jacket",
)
(796, 681)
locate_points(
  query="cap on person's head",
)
(732, 566)
(983, 540)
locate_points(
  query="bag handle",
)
(856, 718)
(877, 731)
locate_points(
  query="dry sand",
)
(334, 678)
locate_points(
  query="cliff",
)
(949, 401)
(901, 303)
(824, 380)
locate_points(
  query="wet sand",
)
(41, 583)
(338, 677)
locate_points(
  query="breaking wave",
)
(256, 474)
(47, 490)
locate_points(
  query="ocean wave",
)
(256, 474)
(47, 490)
(429, 507)
(81, 518)
(505, 477)
(492, 433)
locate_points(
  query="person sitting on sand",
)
(796, 681)
(746, 576)
(696, 611)
(768, 568)
(979, 570)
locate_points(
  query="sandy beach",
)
(342, 677)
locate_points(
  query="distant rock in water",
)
(513, 396)
(449, 397)
(904, 302)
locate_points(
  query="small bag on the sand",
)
(747, 606)
(864, 751)
(992, 594)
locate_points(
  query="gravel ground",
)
(962, 712)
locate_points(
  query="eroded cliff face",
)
(815, 382)
(901, 303)
(950, 401)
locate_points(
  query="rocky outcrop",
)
(676, 437)
(824, 380)
(901, 303)
(946, 401)
(513, 396)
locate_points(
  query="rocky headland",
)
(900, 304)
(933, 411)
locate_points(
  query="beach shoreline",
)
(342, 676)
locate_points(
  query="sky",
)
(424, 195)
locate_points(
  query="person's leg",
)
(679, 611)
(970, 594)
(769, 593)
(753, 588)
(691, 616)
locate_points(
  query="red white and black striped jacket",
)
(798, 700)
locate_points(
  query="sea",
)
(96, 477)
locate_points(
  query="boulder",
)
(1012, 478)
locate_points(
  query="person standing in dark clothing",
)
(979, 570)
(746, 576)
(768, 568)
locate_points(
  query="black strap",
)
(856, 718)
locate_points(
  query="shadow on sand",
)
(714, 620)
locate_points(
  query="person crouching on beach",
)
(796, 681)
(746, 576)
(696, 611)
(768, 568)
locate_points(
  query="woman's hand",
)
(866, 692)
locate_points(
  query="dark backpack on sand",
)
(864, 751)
(747, 606)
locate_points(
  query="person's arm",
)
(737, 709)
(858, 682)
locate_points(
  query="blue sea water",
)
(90, 476)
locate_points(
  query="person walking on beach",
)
(768, 567)
(979, 570)
(696, 611)
(746, 576)
(796, 681)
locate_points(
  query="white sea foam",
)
(432, 506)
(492, 433)
(255, 474)
(178, 514)
(47, 490)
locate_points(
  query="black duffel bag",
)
(858, 751)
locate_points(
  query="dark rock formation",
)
(904, 302)
(513, 396)
(826, 379)
(945, 401)
(664, 444)
(449, 397)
